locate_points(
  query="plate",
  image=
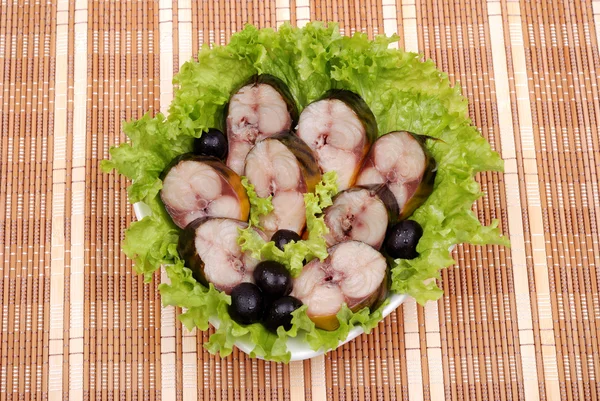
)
(299, 348)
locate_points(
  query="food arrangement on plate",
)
(301, 181)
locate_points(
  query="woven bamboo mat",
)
(77, 323)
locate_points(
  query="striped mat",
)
(78, 324)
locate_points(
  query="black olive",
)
(212, 143)
(273, 279)
(402, 239)
(247, 303)
(283, 237)
(280, 313)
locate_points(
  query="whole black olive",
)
(283, 237)
(402, 239)
(212, 143)
(273, 279)
(247, 303)
(280, 313)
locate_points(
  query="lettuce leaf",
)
(296, 252)
(403, 91)
(258, 206)
(299, 57)
(153, 144)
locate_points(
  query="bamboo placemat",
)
(77, 323)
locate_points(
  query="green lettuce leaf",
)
(258, 206)
(299, 57)
(295, 252)
(330, 339)
(154, 142)
(403, 91)
(204, 88)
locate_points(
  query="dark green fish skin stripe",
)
(187, 250)
(358, 105)
(425, 186)
(385, 195)
(304, 155)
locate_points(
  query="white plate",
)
(299, 349)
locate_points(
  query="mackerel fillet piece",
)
(262, 108)
(198, 186)
(339, 128)
(360, 214)
(400, 161)
(285, 168)
(210, 250)
(354, 273)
